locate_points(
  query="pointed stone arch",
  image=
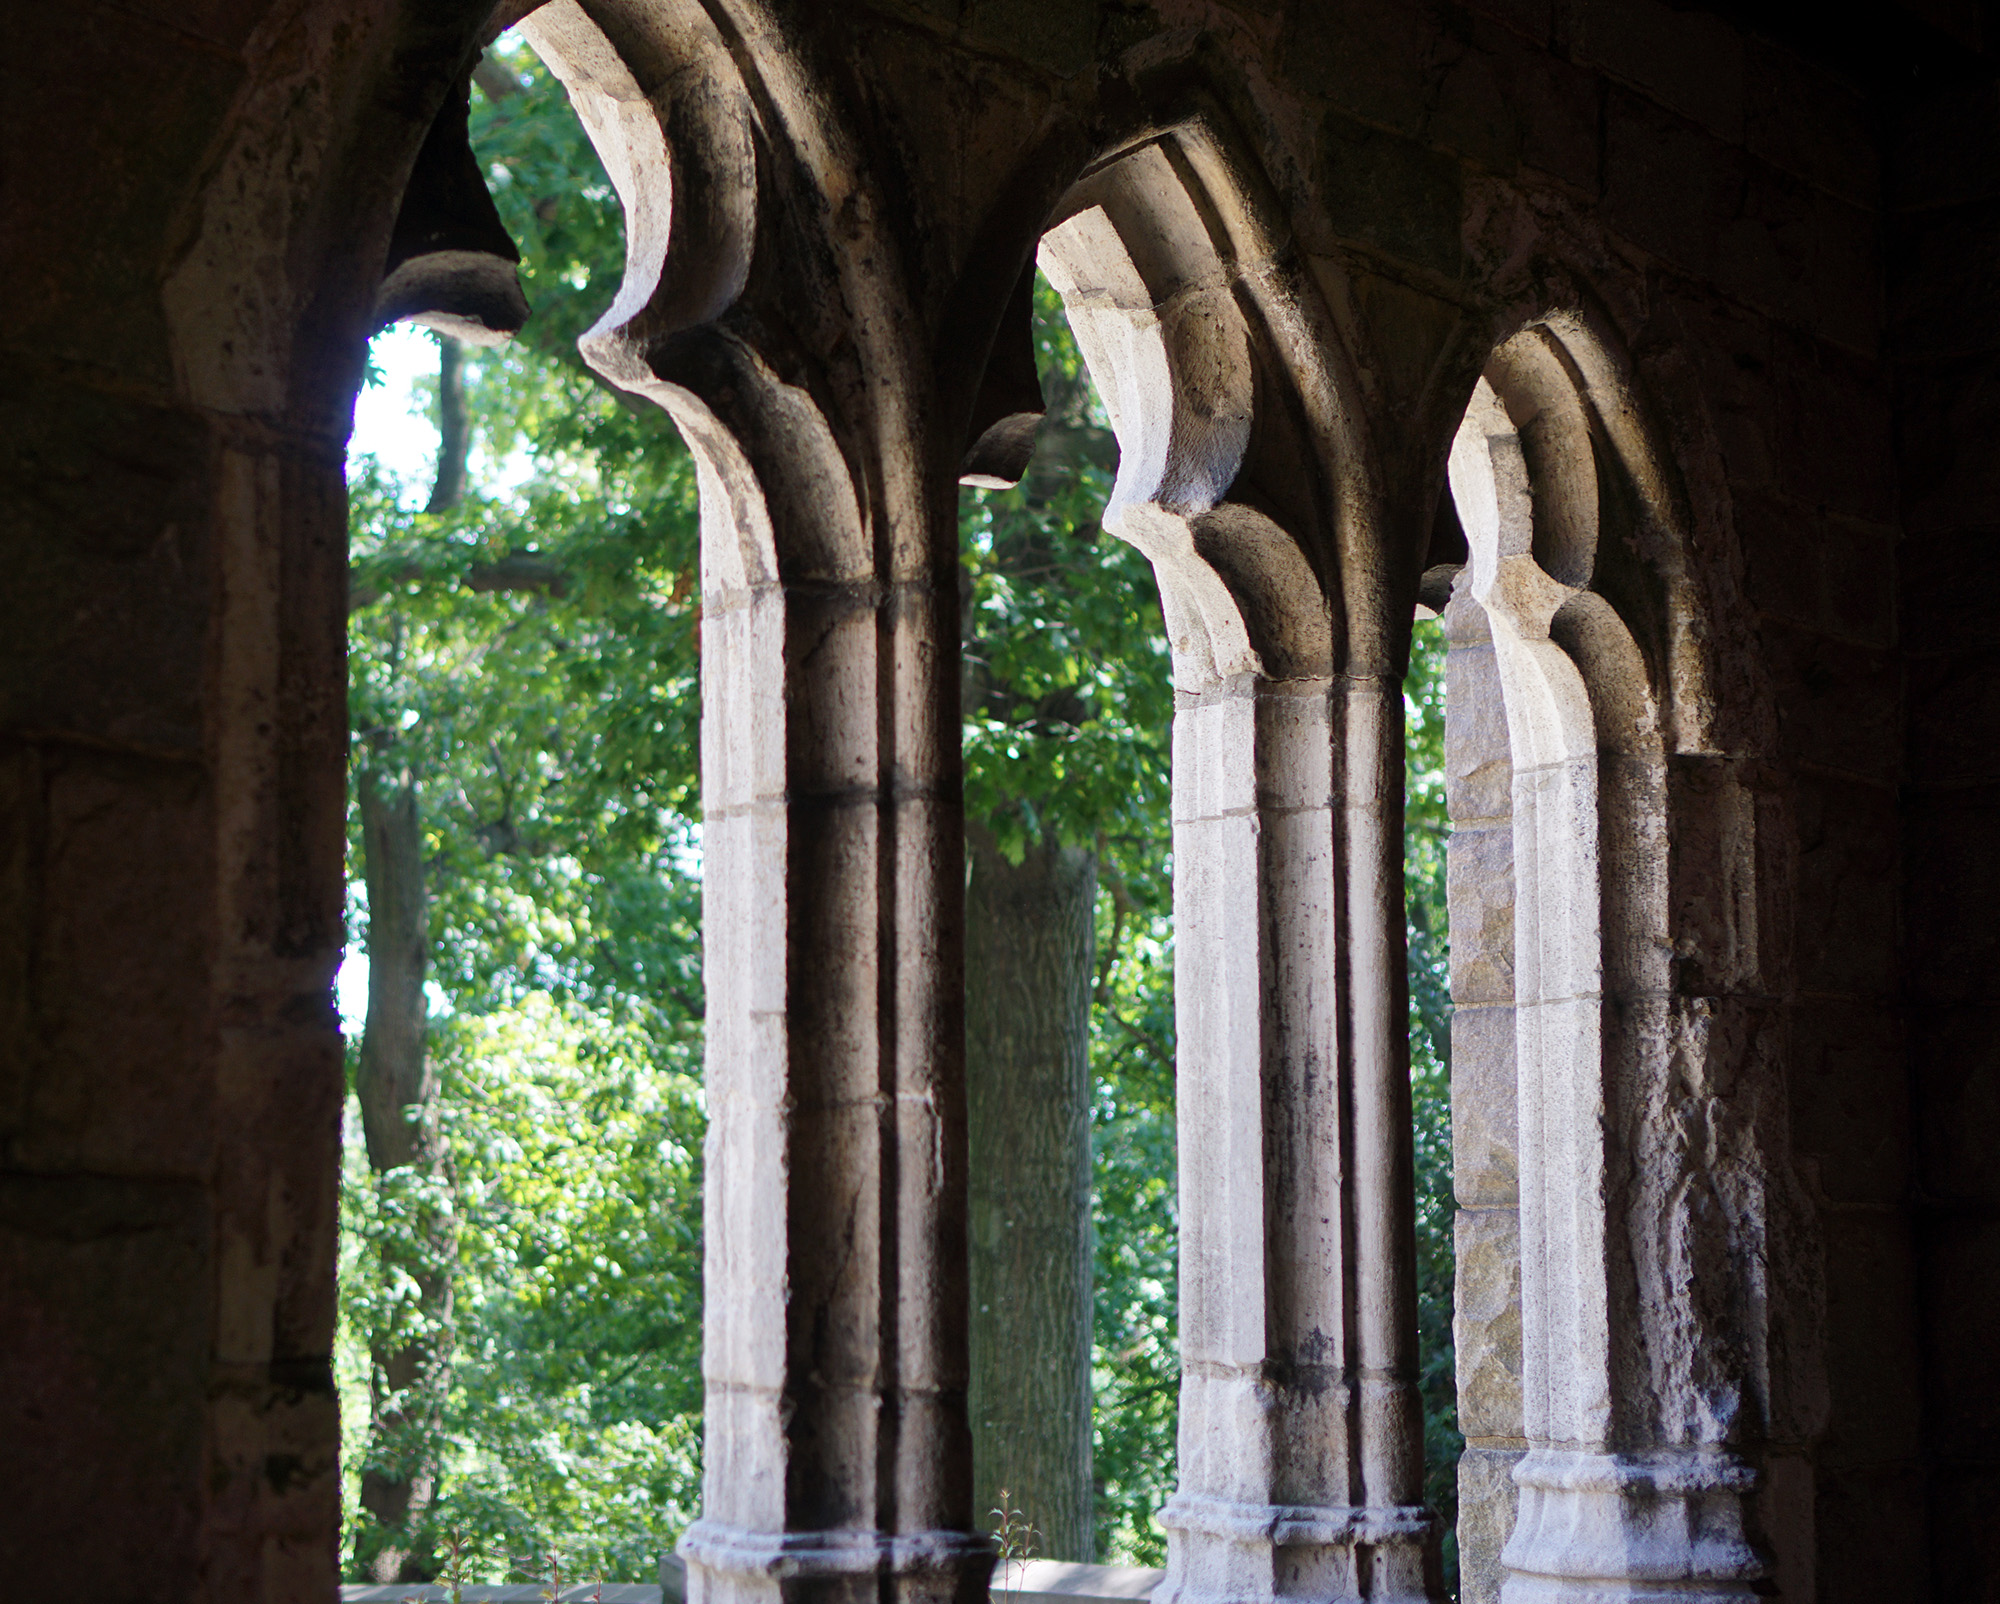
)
(761, 308)
(1247, 480)
(1652, 1198)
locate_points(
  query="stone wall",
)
(1945, 166)
(199, 206)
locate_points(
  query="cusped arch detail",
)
(1641, 1407)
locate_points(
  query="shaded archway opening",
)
(520, 1291)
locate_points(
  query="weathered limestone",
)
(1486, 1320)
(1631, 1397)
(1789, 231)
(837, 1460)
(1301, 1453)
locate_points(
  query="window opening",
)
(1426, 831)
(520, 1337)
(1068, 712)
(520, 1271)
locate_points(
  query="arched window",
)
(835, 1279)
(1604, 931)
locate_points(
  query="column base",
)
(1223, 1552)
(1636, 1528)
(742, 1565)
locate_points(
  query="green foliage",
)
(577, 1381)
(1068, 721)
(1425, 828)
(551, 729)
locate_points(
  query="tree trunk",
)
(1028, 963)
(398, 1092)
(454, 427)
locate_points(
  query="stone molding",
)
(1633, 1474)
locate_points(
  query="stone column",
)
(1267, 1477)
(837, 1453)
(1486, 1323)
(838, 1464)
(1631, 1390)
(1301, 1439)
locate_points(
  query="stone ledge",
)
(1039, 1578)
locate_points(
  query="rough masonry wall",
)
(197, 199)
(1945, 171)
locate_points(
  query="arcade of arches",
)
(1651, 346)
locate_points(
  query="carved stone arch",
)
(761, 307)
(1301, 1434)
(1646, 1188)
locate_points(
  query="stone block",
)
(1839, 705)
(1944, 147)
(1948, 417)
(1965, 1538)
(1062, 39)
(1783, 547)
(1718, 901)
(1836, 437)
(1559, 106)
(1486, 1322)
(1961, 1313)
(1479, 893)
(1860, 575)
(1529, 18)
(1294, 752)
(1857, 1512)
(1873, 1346)
(1478, 763)
(1669, 186)
(1954, 710)
(1407, 331)
(1688, 61)
(1733, 350)
(1484, 1102)
(1850, 1107)
(136, 104)
(104, 1384)
(122, 933)
(1214, 757)
(1475, 115)
(1943, 577)
(1845, 903)
(1952, 886)
(1955, 1063)
(1376, 64)
(1944, 286)
(104, 623)
(1805, 256)
(1487, 1503)
(1809, 121)
(1391, 193)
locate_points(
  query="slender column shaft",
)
(1274, 1500)
(1391, 1411)
(838, 1461)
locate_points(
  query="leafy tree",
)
(1068, 715)
(523, 689)
(525, 664)
(1425, 828)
